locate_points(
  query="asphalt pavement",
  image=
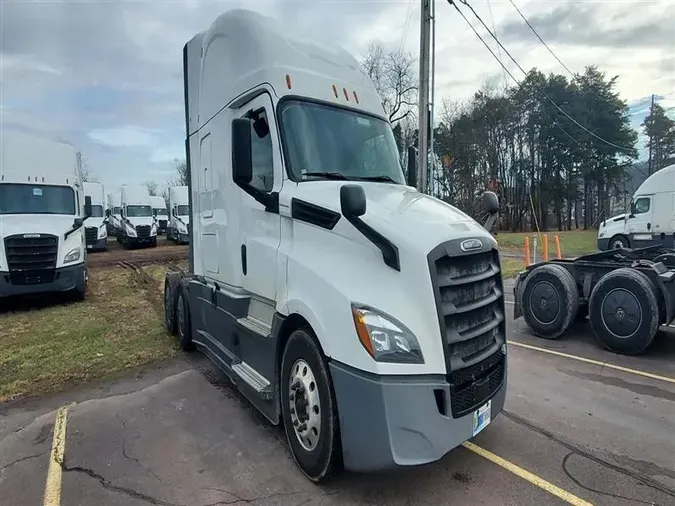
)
(573, 431)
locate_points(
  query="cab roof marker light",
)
(335, 91)
(346, 94)
(288, 81)
(356, 97)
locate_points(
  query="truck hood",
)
(55, 224)
(400, 213)
(138, 221)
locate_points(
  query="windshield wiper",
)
(328, 175)
(383, 179)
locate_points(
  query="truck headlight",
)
(102, 231)
(385, 338)
(72, 256)
(131, 231)
(182, 228)
(601, 234)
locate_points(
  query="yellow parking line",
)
(526, 475)
(595, 362)
(53, 485)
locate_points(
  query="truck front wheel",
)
(619, 242)
(549, 300)
(309, 408)
(624, 311)
(183, 325)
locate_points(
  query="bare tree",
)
(394, 75)
(83, 167)
(181, 173)
(153, 188)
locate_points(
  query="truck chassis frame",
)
(626, 293)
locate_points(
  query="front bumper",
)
(64, 279)
(387, 422)
(99, 245)
(603, 243)
(184, 238)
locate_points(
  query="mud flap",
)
(518, 297)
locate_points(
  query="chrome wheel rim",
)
(305, 405)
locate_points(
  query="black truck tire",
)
(171, 283)
(624, 311)
(550, 300)
(619, 241)
(183, 319)
(307, 404)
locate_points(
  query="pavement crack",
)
(646, 480)
(241, 500)
(131, 458)
(28, 457)
(569, 474)
(106, 484)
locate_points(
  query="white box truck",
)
(366, 317)
(650, 220)
(43, 209)
(178, 229)
(95, 232)
(138, 225)
(159, 211)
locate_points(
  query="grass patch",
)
(52, 348)
(572, 243)
(511, 267)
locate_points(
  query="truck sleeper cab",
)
(42, 215)
(159, 211)
(96, 231)
(366, 317)
(138, 225)
(178, 229)
(650, 220)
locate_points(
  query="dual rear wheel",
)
(623, 307)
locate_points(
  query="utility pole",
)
(651, 134)
(423, 101)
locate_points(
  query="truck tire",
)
(171, 282)
(624, 311)
(619, 241)
(549, 300)
(308, 408)
(79, 293)
(183, 321)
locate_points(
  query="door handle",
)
(649, 226)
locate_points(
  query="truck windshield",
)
(97, 211)
(117, 210)
(182, 210)
(331, 142)
(36, 199)
(139, 211)
(160, 212)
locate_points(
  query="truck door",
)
(261, 229)
(640, 224)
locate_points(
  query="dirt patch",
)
(165, 252)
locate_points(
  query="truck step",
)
(256, 326)
(253, 379)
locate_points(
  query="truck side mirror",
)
(352, 200)
(107, 213)
(490, 202)
(242, 163)
(87, 207)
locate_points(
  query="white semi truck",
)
(159, 211)
(366, 317)
(178, 229)
(114, 213)
(650, 220)
(138, 225)
(96, 233)
(43, 209)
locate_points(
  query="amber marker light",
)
(362, 331)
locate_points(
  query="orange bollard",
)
(544, 245)
(527, 251)
(556, 240)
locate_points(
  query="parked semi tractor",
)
(159, 211)
(364, 316)
(95, 232)
(179, 215)
(43, 209)
(650, 219)
(114, 213)
(138, 225)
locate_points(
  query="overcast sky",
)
(106, 75)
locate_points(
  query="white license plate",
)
(481, 417)
(89, 246)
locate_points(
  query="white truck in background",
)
(651, 217)
(114, 213)
(43, 209)
(95, 231)
(138, 225)
(159, 211)
(366, 317)
(178, 229)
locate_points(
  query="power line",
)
(405, 26)
(494, 29)
(541, 40)
(609, 143)
(508, 71)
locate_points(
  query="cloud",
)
(107, 76)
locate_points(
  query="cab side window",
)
(642, 205)
(261, 152)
